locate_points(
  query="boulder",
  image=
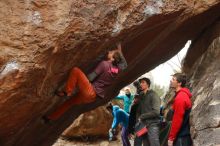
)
(91, 124)
(204, 79)
(40, 41)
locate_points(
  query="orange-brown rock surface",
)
(92, 124)
(41, 40)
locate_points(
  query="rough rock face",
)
(205, 82)
(93, 123)
(41, 40)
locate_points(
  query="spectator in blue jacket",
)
(127, 98)
(119, 117)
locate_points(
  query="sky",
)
(162, 74)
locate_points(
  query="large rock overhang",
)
(27, 93)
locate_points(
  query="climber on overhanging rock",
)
(92, 86)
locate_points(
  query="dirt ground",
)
(98, 142)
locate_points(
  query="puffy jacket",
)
(127, 101)
(119, 117)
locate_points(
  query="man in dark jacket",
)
(180, 129)
(134, 105)
(148, 112)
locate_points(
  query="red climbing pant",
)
(86, 92)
